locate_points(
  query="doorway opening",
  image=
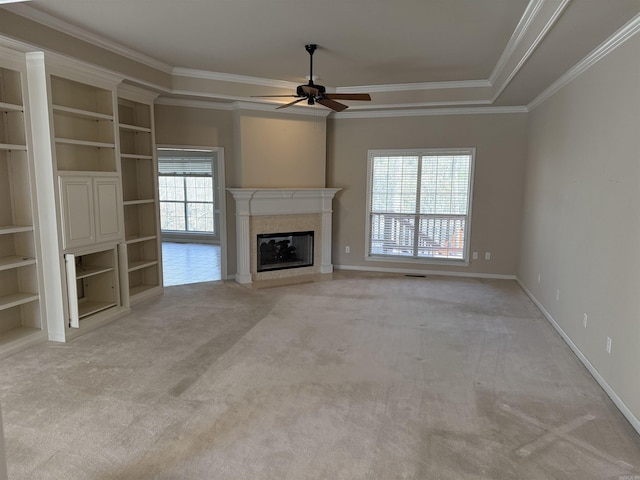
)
(191, 191)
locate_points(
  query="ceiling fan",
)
(313, 93)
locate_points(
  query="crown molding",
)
(135, 93)
(431, 112)
(630, 29)
(69, 67)
(81, 34)
(523, 26)
(410, 106)
(231, 78)
(541, 34)
(313, 111)
(410, 87)
(183, 102)
(241, 105)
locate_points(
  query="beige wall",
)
(500, 142)
(262, 149)
(581, 225)
(280, 150)
(208, 128)
(33, 33)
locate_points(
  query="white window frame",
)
(185, 154)
(415, 259)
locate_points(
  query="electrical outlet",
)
(474, 255)
(584, 321)
(608, 344)
(558, 295)
(347, 249)
(487, 256)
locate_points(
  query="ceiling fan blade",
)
(308, 89)
(333, 105)
(348, 96)
(290, 103)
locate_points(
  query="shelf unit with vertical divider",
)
(77, 173)
(21, 319)
(138, 163)
(84, 111)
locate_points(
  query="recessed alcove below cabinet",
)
(92, 283)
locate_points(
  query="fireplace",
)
(278, 251)
(265, 211)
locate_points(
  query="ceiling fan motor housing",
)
(300, 90)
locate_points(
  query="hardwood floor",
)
(184, 263)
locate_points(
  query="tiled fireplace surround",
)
(276, 210)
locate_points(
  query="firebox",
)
(277, 251)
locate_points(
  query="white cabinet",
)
(107, 209)
(79, 218)
(77, 172)
(90, 210)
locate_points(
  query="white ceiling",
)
(408, 53)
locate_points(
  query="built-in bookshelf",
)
(83, 122)
(138, 164)
(90, 216)
(20, 315)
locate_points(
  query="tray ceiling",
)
(410, 54)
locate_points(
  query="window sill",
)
(416, 260)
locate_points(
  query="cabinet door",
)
(108, 217)
(78, 227)
(72, 290)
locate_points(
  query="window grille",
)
(419, 204)
(186, 186)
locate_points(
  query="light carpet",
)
(359, 377)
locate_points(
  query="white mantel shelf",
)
(280, 201)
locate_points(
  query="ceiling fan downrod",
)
(311, 48)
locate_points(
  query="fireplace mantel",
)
(280, 201)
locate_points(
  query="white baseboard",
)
(411, 271)
(635, 423)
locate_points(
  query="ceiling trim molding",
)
(630, 29)
(399, 87)
(183, 102)
(14, 44)
(431, 112)
(314, 111)
(232, 78)
(240, 105)
(523, 26)
(409, 87)
(78, 70)
(81, 34)
(410, 106)
(541, 34)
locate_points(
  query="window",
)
(419, 204)
(186, 186)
